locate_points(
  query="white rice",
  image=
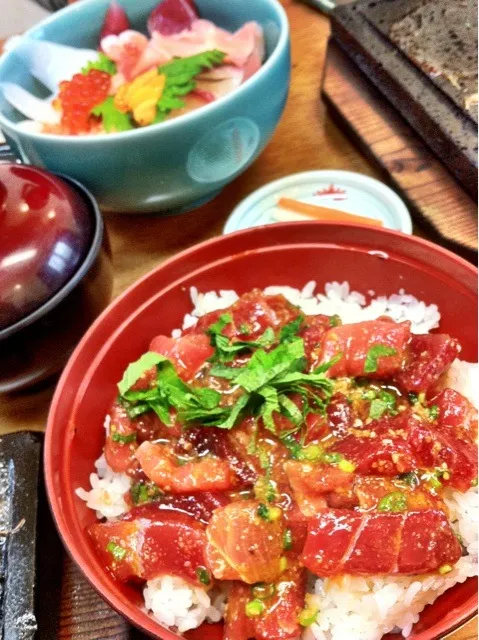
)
(175, 603)
(350, 608)
(337, 298)
(464, 377)
(107, 492)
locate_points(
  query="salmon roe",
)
(78, 96)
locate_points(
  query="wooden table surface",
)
(305, 139)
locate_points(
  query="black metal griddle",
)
(430, 103)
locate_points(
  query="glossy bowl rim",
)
(80, 273)
(68, 540)
(281, 46)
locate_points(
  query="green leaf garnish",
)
(308, 616)
(375, 352)
(264, 367)
(102, 63)
(135, 370)
(291, 330)
(180, 79)
(386, 402)
(113, 120)
(265, 380)
(269, 406)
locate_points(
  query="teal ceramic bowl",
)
(177, 165)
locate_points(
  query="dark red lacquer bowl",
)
(286, 254)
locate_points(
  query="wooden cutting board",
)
(433, 195)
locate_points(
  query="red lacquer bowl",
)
(286, 254)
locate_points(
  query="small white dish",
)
(342, 190)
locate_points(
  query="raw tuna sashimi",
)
(247, 541)
(278, 620)
(374, 348)
(365, 544)
(150, 542)
(428, 357)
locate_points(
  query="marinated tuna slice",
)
(248, 535)
(377, 453)
(340, 415)
(206, 474)
(311, 482)
(275, 617)
(456, 413)
(199, 505)
(386, 494)
(440, 448)
(225, 446)
(366, 544)
(251, 315)
(187, 353)
(284, 311)
(121, 440)
(150, 542)
(296, 528)
(428, 358)
(314, 329)
(266, 448)
(375, 348)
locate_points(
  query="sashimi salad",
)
(137, 81)
(271, 463)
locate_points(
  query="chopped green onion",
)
(308, 616)
(122, 439)
(435, 482)
(203, 575)
(288, 540)
(265, 489)
(413, 399)
(254, 608)
(335, 321)
(446, 568)
(274, 513)
(331, 458)
(116, 550)
(262, 591)
(434, 412)
(142, 492)
(410, 478)
(283, 563)
(346, 466)
(311, 453)
(370, 394)
(393, 502)
(271, 514)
